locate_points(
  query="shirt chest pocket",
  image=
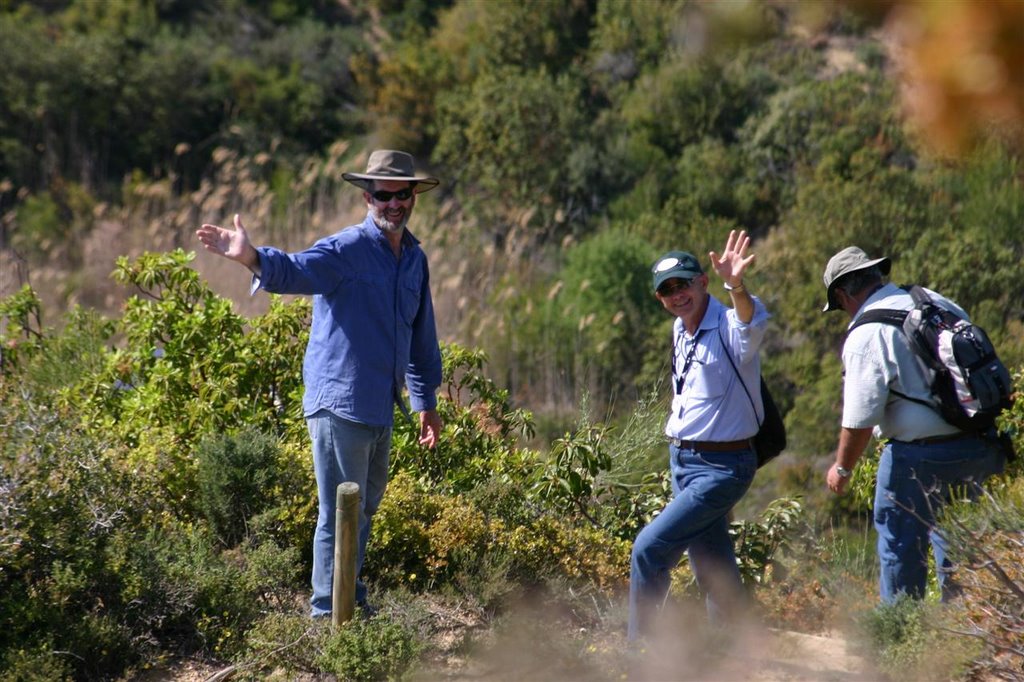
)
(706, 380)
(409, 299)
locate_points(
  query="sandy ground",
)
(771, 656)
(797, 657)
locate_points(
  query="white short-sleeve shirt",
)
(878, 362)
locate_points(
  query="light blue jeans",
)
(344, 451)
(914, 482)
(705, 486)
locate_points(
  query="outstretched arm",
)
(232, 244)
(730, 266)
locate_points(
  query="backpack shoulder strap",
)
(919, 295)
(883, 315)
(896, 318)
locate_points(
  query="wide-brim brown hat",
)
(850, 259)
(389, 164)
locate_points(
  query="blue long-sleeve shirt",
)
(373, 322)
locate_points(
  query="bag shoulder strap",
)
(889, 316)
(687, 361)
(896, 318)
(918, 293)
(728, 356)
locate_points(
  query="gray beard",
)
(386, 225)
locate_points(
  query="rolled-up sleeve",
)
(317, 270)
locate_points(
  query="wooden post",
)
(346, 541)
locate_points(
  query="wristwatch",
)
(843, 472)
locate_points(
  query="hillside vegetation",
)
(155, 496)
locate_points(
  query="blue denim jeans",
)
(344, 451)
(914, 482)
(705, 486)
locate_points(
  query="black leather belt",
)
(942, 439)
(711, 445)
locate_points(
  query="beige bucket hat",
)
(850, 259)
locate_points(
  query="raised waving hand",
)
(734, 260)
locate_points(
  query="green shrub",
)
(370, 650)
(985, 539)
(285, 643)
(399, 546)
(235, 476)
(904, 640)
(34, 663)
(40, 225)
(898, 632)
(67, 497)
(758, 542)
(550, 549)
(96, 566)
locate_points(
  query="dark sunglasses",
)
(383, 196)
(670, 289)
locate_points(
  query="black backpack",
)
(972, 385)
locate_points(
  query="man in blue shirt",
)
(716, 410)
(372, 331)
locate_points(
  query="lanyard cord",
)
(687, 361)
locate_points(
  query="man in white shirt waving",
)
(716, 409)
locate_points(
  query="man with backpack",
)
(893, 386)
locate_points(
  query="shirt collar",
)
(712, 316)
(370, 228)
(882, 292)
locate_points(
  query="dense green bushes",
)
(99, 562)
(162, 501)
(576, 140)
(96, 90)
(568, 135)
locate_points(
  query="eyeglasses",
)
(383, 196)
(672, 289)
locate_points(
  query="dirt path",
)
(758, 656)
(796, 657)
(770, 656)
